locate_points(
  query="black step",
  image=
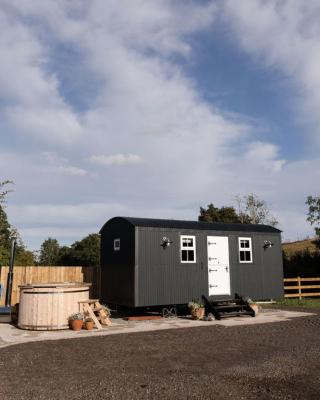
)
(228, 308)
(235, 314)
(236, 301)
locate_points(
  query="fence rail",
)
(300, 287)
(39, 274)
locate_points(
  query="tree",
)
(3, 193)
(253, 210)
(314, 212)
(9, 233)
(5, 228)
(215, 214)
(23, 256)
(65, 256)
(86, 252)
(49, 252)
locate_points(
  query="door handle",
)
(227, 269)
(212, 270)
(213, 285)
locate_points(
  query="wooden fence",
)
(303, 287)
(38, 274)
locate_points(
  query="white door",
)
(218, 265)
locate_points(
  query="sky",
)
(152, 108)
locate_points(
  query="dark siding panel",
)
(261, 279)
(117, 267)
(272, 269)
(163, 279)
(144, 274)
(247, 280)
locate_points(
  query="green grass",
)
(299, 303)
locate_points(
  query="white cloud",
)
(284, 36)
(66, 222)
(116, 159)
(29, 93)
(73, 171)
(61, 164)
(265, 155)
(143, 108)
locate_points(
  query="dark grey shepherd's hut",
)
(155, 262)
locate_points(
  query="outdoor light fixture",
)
(267, 244)
(165, 242)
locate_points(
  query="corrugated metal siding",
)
(117, 267)
(163, 279)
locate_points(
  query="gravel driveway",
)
(262, 361)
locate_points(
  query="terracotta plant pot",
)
(198, 313)
(76, 324)
(89, 325)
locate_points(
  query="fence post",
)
(299, 289)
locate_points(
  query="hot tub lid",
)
(55, 285)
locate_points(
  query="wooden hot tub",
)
(47, 306)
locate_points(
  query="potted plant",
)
(197, 310)
(88, 323)
(76, 321)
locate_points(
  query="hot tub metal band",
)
(74, 291)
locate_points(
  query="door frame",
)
(212, 265)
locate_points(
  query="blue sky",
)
(155, 108)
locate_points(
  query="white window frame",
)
(193, 248)
(116, 244)
(245, 249)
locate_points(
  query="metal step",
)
(235, 314)
(222, 302)
(228, 308)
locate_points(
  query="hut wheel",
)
(165, 312)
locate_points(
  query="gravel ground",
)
(269, 361)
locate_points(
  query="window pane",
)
(247, 256)
(190, 255)
(184, 255)
(242, 256)
(116, 244)
(187, 242)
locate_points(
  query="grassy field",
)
(299, 303)
(302, 245)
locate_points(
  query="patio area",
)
(11, 335)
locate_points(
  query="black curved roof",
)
(195, 225)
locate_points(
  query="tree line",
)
(85, 252)
(306, 263)
(9, 232)
(248, 209)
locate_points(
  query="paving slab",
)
(11, 335)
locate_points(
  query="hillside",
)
(299, 246)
